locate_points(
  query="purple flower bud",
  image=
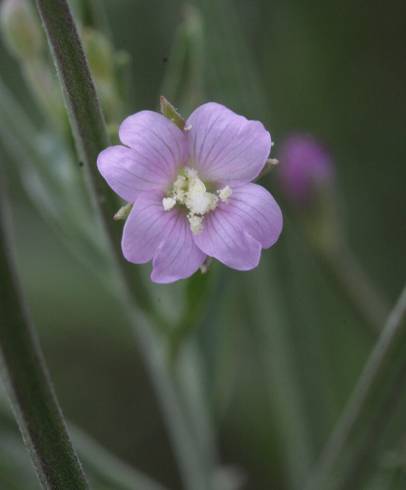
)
(305, 167)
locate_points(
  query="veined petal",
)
(146, 227)
(128, 173)
(256, 211)
(177, 256)
(157, 140)
(225, 147)
(223, 238)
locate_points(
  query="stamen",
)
(225, 193)
(196, 223)
(179, 188)
(168, 203)
(191, 173)
(190, 191)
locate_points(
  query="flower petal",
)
(256, 212)
(223, 238)
(225, 147)
(177, 257)
(146, 228)
(129, 174)
(157, 140)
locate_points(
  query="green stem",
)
(375, 386)
(94, 15)
(107, 468)
(34, 402)
(231, 73)
(60, 201)
(197, 472)
(269, 316)
(354, 284)
(184, 76)
(90, 134)
(324, 231)
(198, 290)
(101, 465)
(88, 126)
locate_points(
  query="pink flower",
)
(305, 168)
(191, 191)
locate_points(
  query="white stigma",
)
(198, 200)
(190, 191)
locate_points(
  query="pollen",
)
(190, 192)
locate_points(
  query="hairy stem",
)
(90, 135)
(34, 402)
(100, 464)
(88, 126)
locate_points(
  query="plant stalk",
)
(88, 126)
(374, 388)
(91, 137)
(27, 380)
(354, 284)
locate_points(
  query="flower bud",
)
(123, 212)
(169, 111)
(305, 169)
(306, 175)
(21, 28)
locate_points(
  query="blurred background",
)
(281, 346)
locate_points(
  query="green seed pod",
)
(21, 28)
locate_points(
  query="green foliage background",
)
(282, 349)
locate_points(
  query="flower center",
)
(189, 191)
